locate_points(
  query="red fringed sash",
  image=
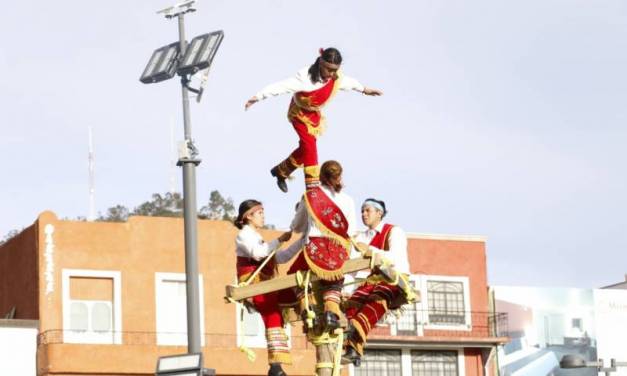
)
(326, 255)
(380, 240)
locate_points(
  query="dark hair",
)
(330, 55)
(329, 173)
(240, 221)
(385, 211)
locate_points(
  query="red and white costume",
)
(305, 115)
(251, 251)
(370, 301)
(326, 218)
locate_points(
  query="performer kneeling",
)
(326, 217)
(251, 252)
(312, 87)
(376, 295)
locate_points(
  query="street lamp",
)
(182, 365)
(576, 361)
(162, 65)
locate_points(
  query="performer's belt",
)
(246, 266)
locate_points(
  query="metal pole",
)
(190, 219)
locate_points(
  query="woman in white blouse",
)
(312, 88)
(251, 251)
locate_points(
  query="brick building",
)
(110, 298)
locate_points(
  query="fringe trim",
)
(327, 275)
(338, 239)
(279, 357)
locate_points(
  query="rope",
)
(326, 338)
(303, 282)
(258, 270)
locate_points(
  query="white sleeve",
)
(349, 83)
(299, 223)
(255, 248)
(287, 86)
(398, 249)
(288, 253)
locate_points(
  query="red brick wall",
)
(19, 275)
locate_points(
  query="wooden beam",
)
(280, 283)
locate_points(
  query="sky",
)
(504, 119)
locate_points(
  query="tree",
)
(218, 208)
(168, 205)
(9, 235)
(171, 205)
(118, 213)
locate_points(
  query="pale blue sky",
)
(500, 118)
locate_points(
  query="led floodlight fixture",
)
(175, 364)
(200, 52)
(162, 64)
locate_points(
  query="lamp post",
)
(165, 62)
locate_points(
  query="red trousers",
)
(268, 307)
(307, 151)
(367, 306)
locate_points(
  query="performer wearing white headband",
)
(369, 303)
(251, 252)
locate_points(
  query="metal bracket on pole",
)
(188, 153)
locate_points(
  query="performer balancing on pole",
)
(377, 295)
(312, 88)
(326, 217)
(251, 252)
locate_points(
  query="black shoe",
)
(280, 181)
(330, 321)
(351, 356)
(276, 370)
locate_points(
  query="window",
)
(91, 306)
(434, 363)
(380, 363)
(446, 302)
(577, 324)
(171, 303)
(251, 330)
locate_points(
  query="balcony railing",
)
(448, 324)
(410, 323)
(59, 336)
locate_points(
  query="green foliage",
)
(9, 235)
(171, 205)
(168, 205)
(118, 213)
(218, 208)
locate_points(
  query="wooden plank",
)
(280, 283)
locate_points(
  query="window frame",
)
(259, 340)
(71, 336)
(166, 338)
(424, 304)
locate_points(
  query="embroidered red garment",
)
(380, 240)
(326, 255)
(305, 105)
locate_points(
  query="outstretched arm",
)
(287, 86)
(369, 91)
(349, 83)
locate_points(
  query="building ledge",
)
(435, 341)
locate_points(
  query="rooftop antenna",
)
(91, 216)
